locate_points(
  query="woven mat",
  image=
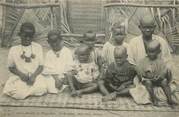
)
(91, 101)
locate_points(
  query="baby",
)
(84, 73)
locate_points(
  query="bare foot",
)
(109, 97)
(172, 104)
(79, 93)
(73, 94)
(155, 103)
(76, 93)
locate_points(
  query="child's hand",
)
(121, 87)
(113, 87)
(24, 77)
(58, 83)
(74, 72)
(31, 79)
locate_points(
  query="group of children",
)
(86, 70)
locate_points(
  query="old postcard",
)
(69, 58)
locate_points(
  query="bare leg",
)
(71, 81)
(89, 88)
(124, 91)
(167, 90)
(107, 95)
(102, 88)
(149, 87)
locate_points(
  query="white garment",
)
(57, 65)
(14, 57)
(138, 52)
(15, 87)
(18, 89)
(138, 92)
(86, 72)
(108, 52)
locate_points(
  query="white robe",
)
(57, 65)
(15, 87)
(108, 52)
(137, 49)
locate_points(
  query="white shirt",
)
(14, 57)
(58, 65)
(137, 49)
(108, 51)
(86, 72)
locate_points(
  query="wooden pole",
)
(79, 35)
(140, 5)
(29, 6)
(52, 18)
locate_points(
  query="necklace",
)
(26, 58)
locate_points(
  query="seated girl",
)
(25, 63)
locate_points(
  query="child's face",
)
(119, 34)
(147, 29)
(26, 36)
(83, 56)
(55, 43)
(120, 58)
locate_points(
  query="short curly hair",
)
(27, 25)
(54, 32)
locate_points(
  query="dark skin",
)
(147, 27)
(120, 55)
(56, 43)
(83, 54)
(26, 39)
(118, 34)
(153, 50)
(90, 40)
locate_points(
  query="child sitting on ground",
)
(25, 63)
(84, 74)
(153, 72)
(58, 62)
(90, 40)
(117, 79)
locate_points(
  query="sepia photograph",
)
(89, 58)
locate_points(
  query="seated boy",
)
(84, 73)
(57, 62)
(153, 72)
(25, 63)
(118, 77)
